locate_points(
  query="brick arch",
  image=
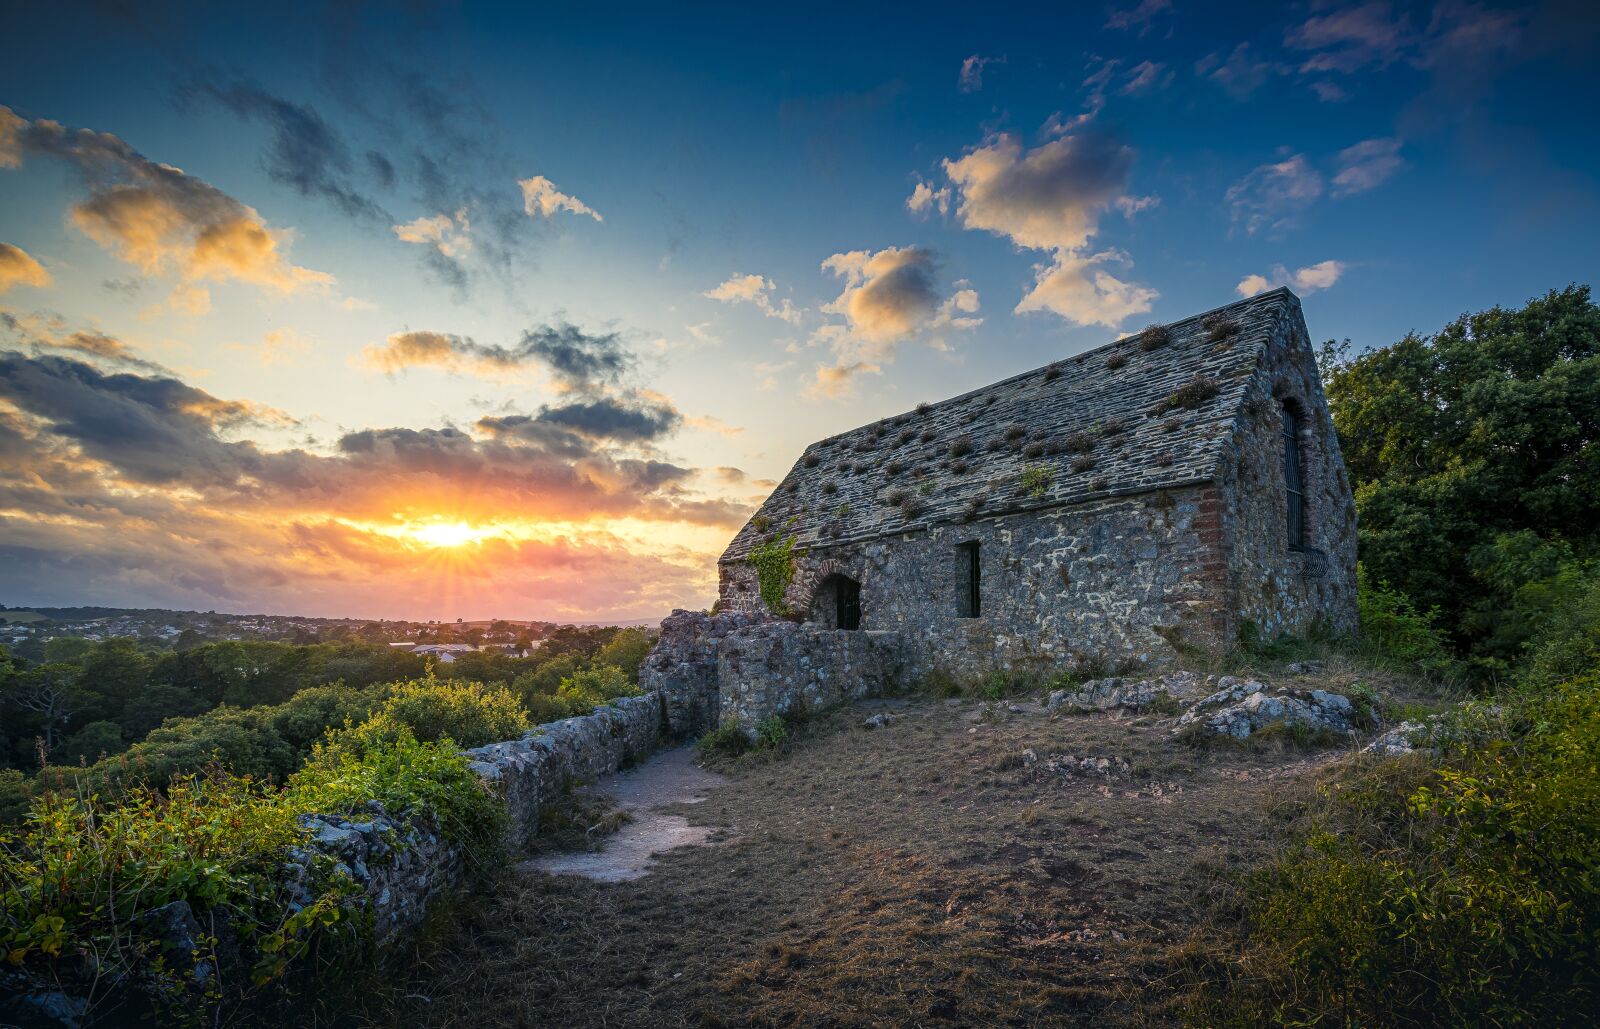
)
(802, 592)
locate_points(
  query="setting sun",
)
(446, 534)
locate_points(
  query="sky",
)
(473, 310)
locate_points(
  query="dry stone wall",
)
(778, 666)
(402, 866)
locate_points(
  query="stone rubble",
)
(880, 720)
(1244, 706)
(1067, 764)
(1106, 694)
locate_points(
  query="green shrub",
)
(82, 879)
(771, 732)
(774, 562)
(1568, 643)
(1466, 893)
(469, 713)
(1404, 636)
(581, 693)
(722, 744)
(409, 777)
(941, 683)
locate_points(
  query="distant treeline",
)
(251, 705)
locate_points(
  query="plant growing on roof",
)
(830, 487)
(1054, 372)
(1154, 337)
(1115, 361)
(1035, 479)
(773, 561)
(961, 446)
(1219, 327)
(1191, 394)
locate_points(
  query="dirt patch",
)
(908, 875)
(644, 796)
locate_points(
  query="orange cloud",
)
(18, 268)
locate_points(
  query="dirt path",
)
(953, 868)
(644, 794)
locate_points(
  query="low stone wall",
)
(536, 770)
(774, 667)
(682, 667)
(403, 866)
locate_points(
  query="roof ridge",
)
(1278, 292)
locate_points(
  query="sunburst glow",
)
(446, 534)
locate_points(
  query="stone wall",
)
(1096, 584)
(401, 867)
(1276, 588)
(682, 668)
(779, 666)
(537, 770)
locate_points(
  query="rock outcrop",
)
(1245, 706)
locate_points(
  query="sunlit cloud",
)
(158, 218)
(1367, 165)
(541, 199)
(18, 268)
(755, 290)
(1309, 279)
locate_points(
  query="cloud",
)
(834, 381)
(1241, 74)
(971, 77)
(452, 237)
(153, 429)
(157, 217)
(1145, 77)
(888, 295)
(1082, 291)
(447, 239)
(1051, 198)
(1272, 196)
(136, 432)
(18, 268)
(1309, 279)
(1140, 16)
(578, 360)
(1046, 198)
(541, 199)
(634, 418)
(1366, 165)
(754, 289)
(305, 153)
(280, 347)
(924, 198)
(1351, 39)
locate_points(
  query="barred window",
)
(971, 606)
(1293, 479)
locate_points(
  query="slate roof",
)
(1127, 417)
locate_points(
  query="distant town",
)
(24, 630)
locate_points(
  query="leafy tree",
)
(1488, 428)
(90, 743)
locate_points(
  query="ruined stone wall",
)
(1273, 587)
(401, 866)
(1090, 585)
(780, 666)
(682, 668)
(535, 771)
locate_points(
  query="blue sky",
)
(749, 228)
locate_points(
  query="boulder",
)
(1245, 706)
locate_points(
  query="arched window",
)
(1293, 480)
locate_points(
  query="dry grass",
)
(924, 874)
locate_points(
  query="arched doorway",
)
(837, 603)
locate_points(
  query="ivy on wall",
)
(774, 564)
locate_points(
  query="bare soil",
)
(928, 873)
